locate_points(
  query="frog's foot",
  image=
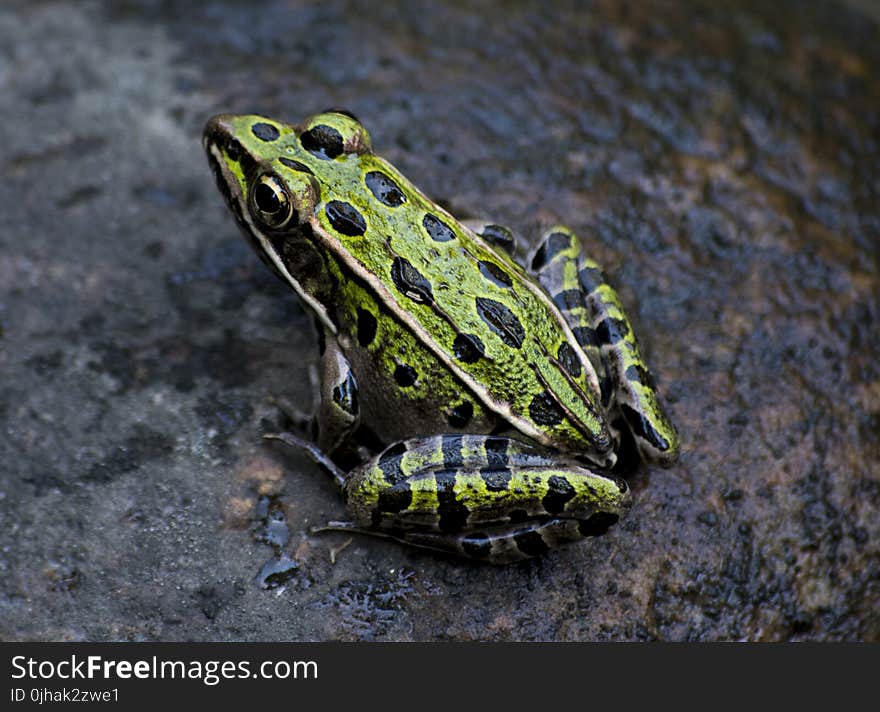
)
(339, 526)
(496, 235)
(313, 451)
(498, 544)
(593, 310)
(300, 420)
(336, 392)
(484, 497)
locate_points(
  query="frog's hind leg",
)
(490, 498)
(555, 264)
(595, 314)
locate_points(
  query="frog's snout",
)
(224, 153)
(218, 121)
(217, 129)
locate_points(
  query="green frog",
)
(500, 394)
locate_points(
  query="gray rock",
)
(721, 163)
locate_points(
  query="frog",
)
(496, 395)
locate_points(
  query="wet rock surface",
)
(720, 161)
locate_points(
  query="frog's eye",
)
(334, 133)
(271, 203)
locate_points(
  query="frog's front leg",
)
(490, 498)
(338, 413)
(596, 316)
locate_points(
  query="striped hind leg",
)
(488, 498)
(595, 314)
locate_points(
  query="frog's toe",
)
(337, 526)
(313, 451)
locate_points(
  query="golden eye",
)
(271, 201)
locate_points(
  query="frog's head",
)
(269, 172)
(266, 169)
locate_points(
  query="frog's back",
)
(473, 308)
